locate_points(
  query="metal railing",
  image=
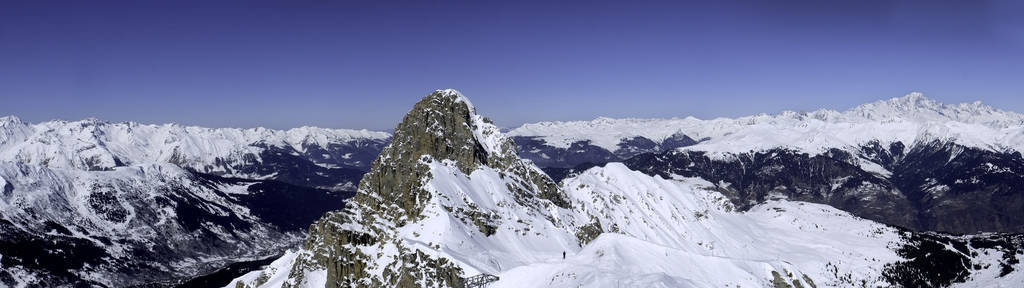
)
(478, 281)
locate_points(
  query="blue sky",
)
(362, 64)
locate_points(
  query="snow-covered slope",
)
(908, 119)
(666, 233)
(137, 224)
(684, 231)
(447, 200)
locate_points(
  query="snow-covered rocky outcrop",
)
(449, 199)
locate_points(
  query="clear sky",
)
(362, 64)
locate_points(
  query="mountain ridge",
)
(911, 102)
(93, 144)
(437, 208)
(908, 119)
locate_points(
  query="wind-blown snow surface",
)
(909, 119)
(660, 233)
(96, 145)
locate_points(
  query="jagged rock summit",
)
(448, 186)
(443, 126)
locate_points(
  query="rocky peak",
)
(441, 136)
(12, 130)
(11, 124)
(442, 126)
(914, 101)
(10, 119)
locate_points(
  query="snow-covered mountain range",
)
(93, 145)
(819, 199)
(908, 119)
(449, 199)
(908, 161)
(93, 203)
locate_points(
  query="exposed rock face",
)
(548, 156)
(441, 128)
(751, 179)
(930, 186)
(442, 125)
(584, 152)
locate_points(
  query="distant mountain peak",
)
(914, 96)
(10, 119)
(916, 107)
(912, 102)
(915, 100)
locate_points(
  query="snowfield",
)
(677, 233)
